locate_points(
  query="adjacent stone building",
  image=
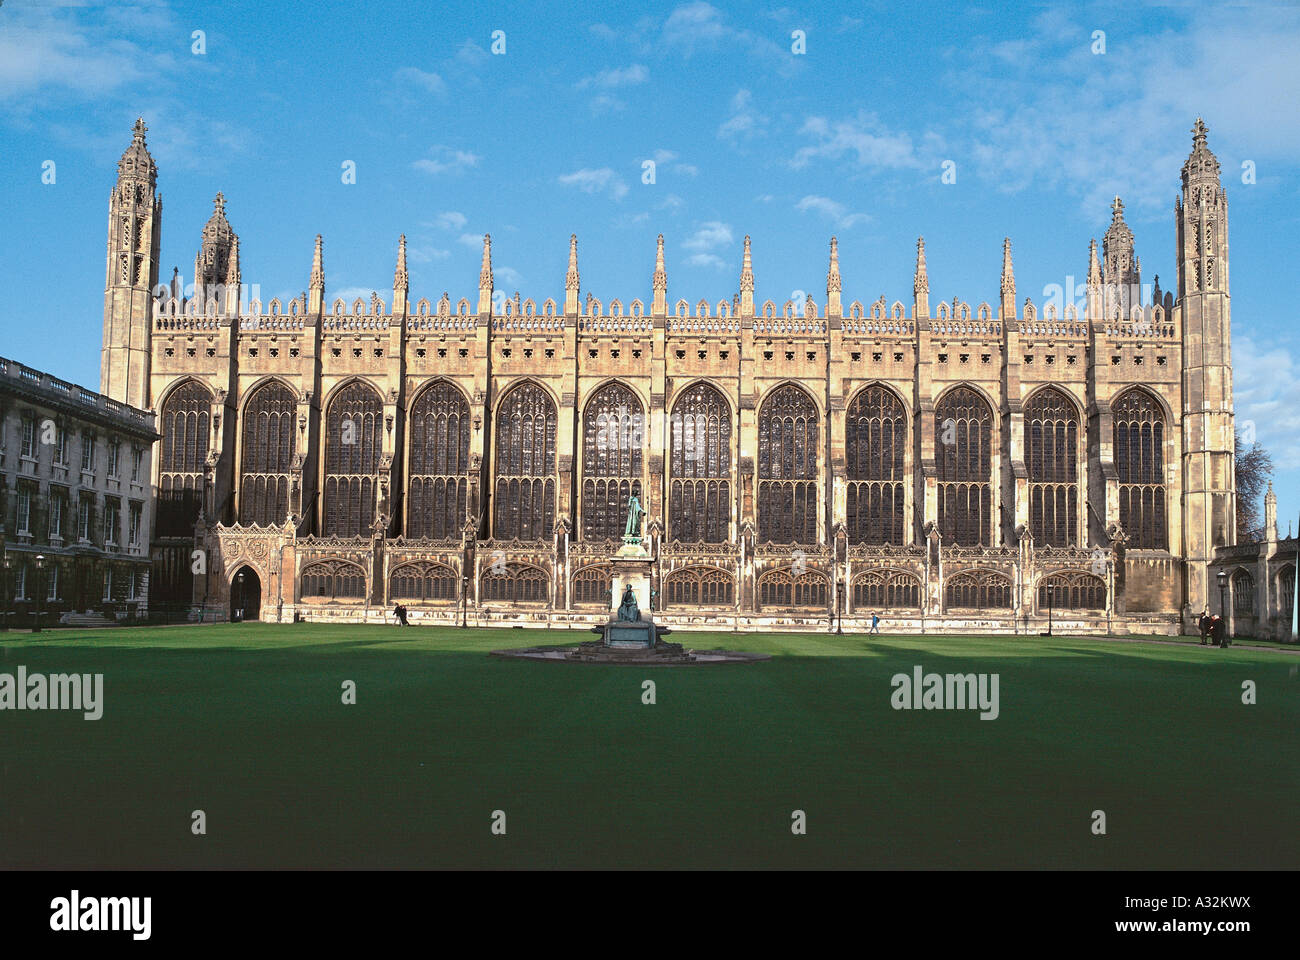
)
(76, 500)
(947, 466)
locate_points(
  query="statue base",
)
(632, 634)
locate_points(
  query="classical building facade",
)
(947, 466)
(76, 500)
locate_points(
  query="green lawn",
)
(246, 723)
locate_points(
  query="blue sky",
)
(550, 137)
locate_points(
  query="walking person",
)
(1204, 623)
(875, 624)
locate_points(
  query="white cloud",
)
(606, 103)
(832, 210)
(863, 139)
(616, 77)
(745, 120)
(423, 254)
(709, 236)
(707, 260)
(472, 240)
(603, 180)
(1266, 391)
(508, 275)
(414, 77)
(446, 160)
(451, 220)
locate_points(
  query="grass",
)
(246, 723)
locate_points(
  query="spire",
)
(1270, 513)
(1094, 282)
(1203, 221)
(1008, 310)
(136, 161)
(833, 306)
(1201, 163)
(1120, 270)
(571, 280)
(401, 282)
(212, 263)
(747, 283)
(317, 298)
(485, 282)
(920, 284)
(659, 307)
(232, 278)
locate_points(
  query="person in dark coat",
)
(1204, 624)
(1219, 631)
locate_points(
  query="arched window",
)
(592, 586)
(423, 582)
(267, 458)
(525, 465)
(784, 588)
(977, 590)
(886, 589)
(1139, 460)
(352, 445)
(613, 440)
(1052, 440)
(333, 580)
(1071, 591)
(1286, 589)
(963, 446)
(699, 497)
(875, 438)
(787, 467)
(185, 425)
(1243, 594)
(514, 583)
(699, 587)
(435, 506)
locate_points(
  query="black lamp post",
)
(1050, 592)
(40, 593)
(1223, 597)
(839, 608)
(4, 594)
(239, 579)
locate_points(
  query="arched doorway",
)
(245, 595)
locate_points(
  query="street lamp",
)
(40, 591)
(1223, 597)
(239, 579)
(4, 594)
(1050, 590)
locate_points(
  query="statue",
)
(632, 532)
(628, 610)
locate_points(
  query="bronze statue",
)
(628, 610)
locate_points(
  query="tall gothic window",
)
(699, 495)
(516, 583)
(875, 439)
(785, 588)
(423, 581)
(699, 587)
(333, 580)
(613, 432)
(268, 449)
(593, 586)
(435, 506)
(1286, 588)
(978, 590)
(1052, 437)
(1072, 591)
(1243, 594)
(886, 589)
(525, 465)
(1139, 460)
(787, 467)
(963, 442)
(352, 446)
(185, 427)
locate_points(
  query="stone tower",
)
(1209, 487)
(218, 258)
(134, 231)
(1121, 272)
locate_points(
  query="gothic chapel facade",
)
(942, 465)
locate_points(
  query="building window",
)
(29, 436)
(963, 446)
(886, 590)
(978, 590)
(114, 449)
(613, 427)
(1286, 589)
(423, 582)
(133, 530)
(52, 582)
(1139, 460)
(267, 455)
(781, 588)
(24, 518)
(88, 452)
(108, 584)
(133, 585)
(525, 465)
(436, 505)
(111, 517)
(137, 457)
(875, 439)
(700, 587)
(352, 442)
(20, 582)
(788, 446)
(593, 586)
(333, 580)
(61, 445)
(181, 458)
(56, 515)
(1072, 591)
(83, 519)
(699, 496)
(1243, 594)
(515, 584)
(1052, 437)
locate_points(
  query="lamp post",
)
(4, 594)
(1050, 588)
(1223, 597)
(239, 580)
(40, 591)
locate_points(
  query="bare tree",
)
(1254, 466)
